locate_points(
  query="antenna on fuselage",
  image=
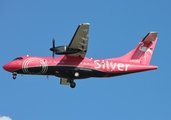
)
(47, 77)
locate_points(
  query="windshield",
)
(18, 58)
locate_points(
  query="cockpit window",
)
(18, 58)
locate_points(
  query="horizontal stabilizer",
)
(151, 36)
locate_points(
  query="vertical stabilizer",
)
(143, 52)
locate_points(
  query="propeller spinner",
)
(62, 50)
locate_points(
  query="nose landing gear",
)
(14, 75)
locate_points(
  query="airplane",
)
(72, 64)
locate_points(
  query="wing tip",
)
(85, 24)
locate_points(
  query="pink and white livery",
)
(73, 65)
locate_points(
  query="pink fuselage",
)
(65, 67)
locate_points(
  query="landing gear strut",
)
(71, 81)
(14, 74)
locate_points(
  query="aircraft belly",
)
(68, 72)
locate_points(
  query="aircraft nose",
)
(5, 66)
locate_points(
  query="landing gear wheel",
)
(72, 84)
(76, 74)
(14, 75)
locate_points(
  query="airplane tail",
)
(143, 52)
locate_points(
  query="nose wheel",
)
(14, 75)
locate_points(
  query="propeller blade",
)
(53, 48)
(53, 54)
(53, 43)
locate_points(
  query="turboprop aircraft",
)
(73, 65)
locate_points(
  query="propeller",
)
(53, 47)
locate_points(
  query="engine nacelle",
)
(64, 50)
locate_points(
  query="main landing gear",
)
(72, 83)
(14, 74)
